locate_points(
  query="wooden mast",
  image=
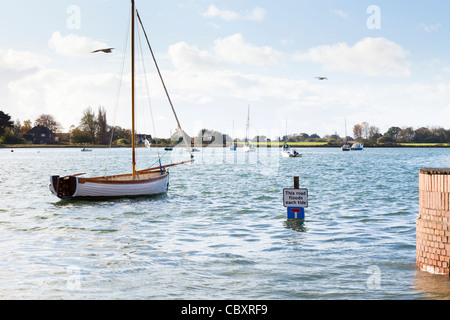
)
(133, 137)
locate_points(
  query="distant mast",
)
(248, 126)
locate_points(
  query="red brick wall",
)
(433, 223)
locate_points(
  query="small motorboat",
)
(287, 152)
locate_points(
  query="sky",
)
(387, 63)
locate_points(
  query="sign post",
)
(295, 200)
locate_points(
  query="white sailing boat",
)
(346, 146)
(357, 146)
(286, 151)
(137, 183)
(247, 146)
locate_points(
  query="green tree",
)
(374, 133)
(120, 133)
(79, 136)
(423, 135)
(5, 122)
(441, 135)
(10, 138)
(89, 124)
(406, 134)
(304, 136)
(385, 139)
(393, 132)
(103, 134)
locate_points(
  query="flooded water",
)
(221, 230)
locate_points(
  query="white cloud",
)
(233, 49)
(214, 12)
(184, 56)
(370, 56)
(257, 14)
(73, 45)
(236, 50)
(21, 60)
(447, 114)
(429, 28)
(62, 94)
(340, 13)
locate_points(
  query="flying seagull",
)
(108, 50)
(322, 78)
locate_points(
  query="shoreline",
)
(292, 145)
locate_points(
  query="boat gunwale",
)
(131, 180)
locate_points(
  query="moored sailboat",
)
(357, 146)
(136, 183)
(346, 146)
(247, 146)
(286, 151)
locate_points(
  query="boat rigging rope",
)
(148, 94)
(180, 131)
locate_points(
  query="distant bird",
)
(321, 78)
(107, 50)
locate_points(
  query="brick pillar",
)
(433, 223)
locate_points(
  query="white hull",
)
(100, 188)
(248, 149)
(290, 154)
(357, 146)
(287, 152)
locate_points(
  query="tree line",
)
(366, 133)
(371, 135)
(94, 129)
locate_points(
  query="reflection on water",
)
(297, 225)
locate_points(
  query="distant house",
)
(62, 137)
(40, 135)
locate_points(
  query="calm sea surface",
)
(221, 231)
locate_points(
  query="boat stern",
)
(63, 187)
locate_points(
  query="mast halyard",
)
(133, 137)
(180, 131)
